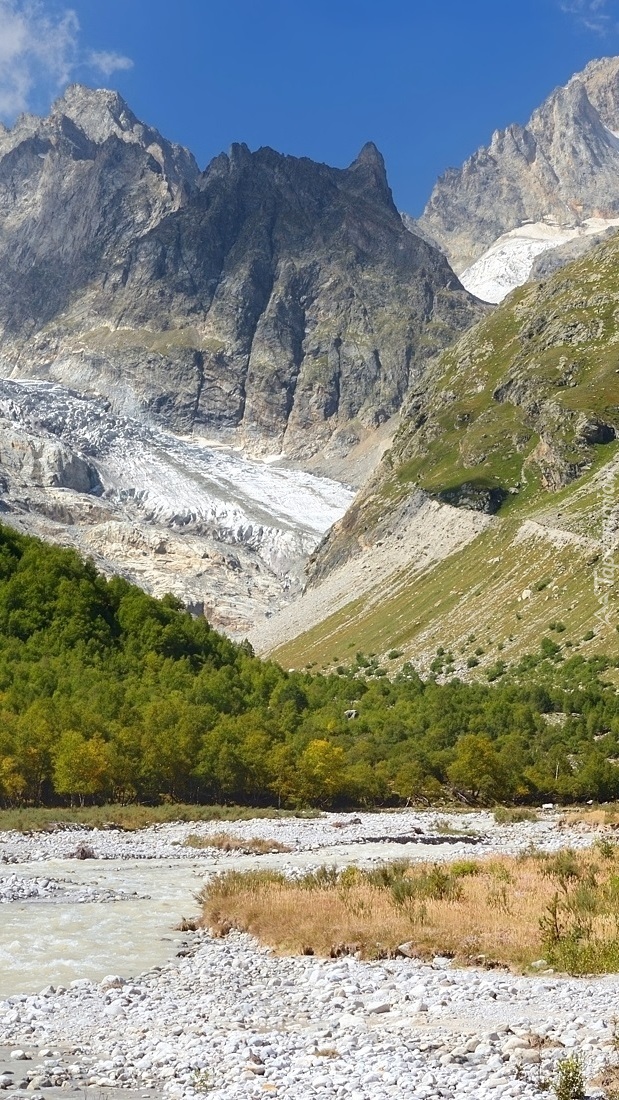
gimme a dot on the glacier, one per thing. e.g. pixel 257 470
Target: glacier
pixel 228 534
pixel 508 262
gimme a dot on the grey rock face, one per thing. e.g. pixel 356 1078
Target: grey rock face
pixel 274 301
pixel 562 166
pixel 45 462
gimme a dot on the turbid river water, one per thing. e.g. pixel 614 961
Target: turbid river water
pixel 51 942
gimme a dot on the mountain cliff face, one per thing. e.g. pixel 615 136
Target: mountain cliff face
pixel 276 302
pixel 558 172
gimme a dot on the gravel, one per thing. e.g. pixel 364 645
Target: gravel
pixel 457 834
pixel 232 1016
pixel 229 1019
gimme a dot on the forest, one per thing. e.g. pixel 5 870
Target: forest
pixel 110 695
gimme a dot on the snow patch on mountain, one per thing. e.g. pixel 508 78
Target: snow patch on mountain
pixel 508 262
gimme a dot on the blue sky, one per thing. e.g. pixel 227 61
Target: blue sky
pixel 427 80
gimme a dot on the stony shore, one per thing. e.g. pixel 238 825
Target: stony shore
pixel 447 835
pixel 228 1019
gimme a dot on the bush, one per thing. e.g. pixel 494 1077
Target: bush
pixel 569 1082
pixel 464 868
pixel 539 586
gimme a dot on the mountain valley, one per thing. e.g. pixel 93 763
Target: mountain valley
pixel 190 359
pixel 195 388
pixel 309 676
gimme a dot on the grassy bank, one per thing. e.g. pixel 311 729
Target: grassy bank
pixel 44 819
pixel 508 912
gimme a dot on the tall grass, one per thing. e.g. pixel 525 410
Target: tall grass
pixel 514 815
pixel 225 842
pixel 501 911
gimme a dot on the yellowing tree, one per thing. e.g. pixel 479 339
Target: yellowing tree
pixel 477 769
pixel 321 771
pixel 80 766
pixel 12 782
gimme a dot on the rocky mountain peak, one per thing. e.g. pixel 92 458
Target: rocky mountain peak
pixel 239 155
pixel 557 178
pixel 369 173
pixel 273 301
pixel 80 124
pixel 98 112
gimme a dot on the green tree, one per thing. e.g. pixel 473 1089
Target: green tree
pixel 477 770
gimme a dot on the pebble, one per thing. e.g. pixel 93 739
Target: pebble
pixel 167 841
pixel 233 1021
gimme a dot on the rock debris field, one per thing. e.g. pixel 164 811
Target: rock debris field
pixel 228 1019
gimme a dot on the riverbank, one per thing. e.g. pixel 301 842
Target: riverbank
pixel 231 1016
pixel 422 834
pixel 227 1018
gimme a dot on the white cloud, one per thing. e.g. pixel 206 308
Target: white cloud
pixel 40 53
pixel 37 52
pixel 592 15
pixel 108 62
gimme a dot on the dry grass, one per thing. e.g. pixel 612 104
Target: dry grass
pixel 584 815
pixel 488 911
pixel 608 1081
pixel 225 842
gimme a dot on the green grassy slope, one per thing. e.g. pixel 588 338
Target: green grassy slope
pixel 519 421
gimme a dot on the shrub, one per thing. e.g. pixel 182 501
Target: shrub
pixel 569 1082
pixel 498 669
pixel 464 868
pixel 539 586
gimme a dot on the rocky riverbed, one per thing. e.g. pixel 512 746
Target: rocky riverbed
pixel 415 834
pixel 227 1018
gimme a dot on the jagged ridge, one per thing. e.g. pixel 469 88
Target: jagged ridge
pixel 273 299
pixel 561 168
